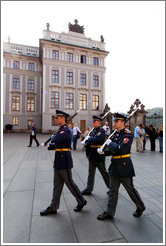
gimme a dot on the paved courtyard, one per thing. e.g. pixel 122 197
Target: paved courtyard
pixel 27 189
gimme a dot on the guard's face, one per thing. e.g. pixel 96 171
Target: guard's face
pixel 58 120
pixel 96 123
pixel 118 124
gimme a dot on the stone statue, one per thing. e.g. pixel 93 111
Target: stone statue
pixel 142 107
pixel 137 102
pixel 102 38
pixel 47 25
pixel 76 27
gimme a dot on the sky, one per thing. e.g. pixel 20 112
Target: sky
pixel 134 36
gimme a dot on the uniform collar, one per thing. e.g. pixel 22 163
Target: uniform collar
pixel 63 125
pixel 122 130
pixel 98 127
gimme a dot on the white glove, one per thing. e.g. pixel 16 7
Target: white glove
pixel 43 145
pixel 108 142
pixel 83 142
pixel 100 151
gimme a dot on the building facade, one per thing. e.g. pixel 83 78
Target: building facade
pixel 66 72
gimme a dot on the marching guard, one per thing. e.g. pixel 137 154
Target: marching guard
pixel 94 141
pixel 121 169
pixel 63 164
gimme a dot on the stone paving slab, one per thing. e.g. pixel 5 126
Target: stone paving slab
pixel 17 210
pixel 27 189
pixel 56 228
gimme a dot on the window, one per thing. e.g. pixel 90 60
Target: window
pixel 16 64
pixel 83 59
pixel 15 121
pixel 95 61
pixel 54 99
pixel 55 76
pixel 69 78
pixel 69 100
pixel 30 84
pixel 31 66
pixel 55 54
pixel 95 102
pixel 15 103
pixel 15 83
pixel 83 79
pixel 83 101
pixel 95 81
pixel 69 56
pixel 30 104
pixel 29 123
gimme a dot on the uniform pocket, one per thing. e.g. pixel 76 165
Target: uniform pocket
pixel 125 167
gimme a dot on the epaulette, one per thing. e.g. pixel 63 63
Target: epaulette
pixel 127 130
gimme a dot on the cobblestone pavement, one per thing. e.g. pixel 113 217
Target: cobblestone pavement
pixel 27 189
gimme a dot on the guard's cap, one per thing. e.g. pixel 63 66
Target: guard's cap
pixel 120 116
pixel 61 113
pixel 97 118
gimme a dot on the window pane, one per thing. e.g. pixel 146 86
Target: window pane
pixel 16 64
pixel 69 56
pixel 15 121
pixel 83 59
pixel 15 103
pixel 31 66
pixel 69 78
pixel 55 54
pixel 95 81
pixel 31 104
pixel 69 100
pixel 15 83
pixel 55 76
pixel 30 84
pixel 54 99
pixel 95 61
pixel 95 102
pixel 83 101
pixel 83 79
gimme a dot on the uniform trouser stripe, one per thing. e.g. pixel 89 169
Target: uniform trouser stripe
pixel 61 177
pixel 113 194
pixel 140 202
pixel 75 190
pixel 92 171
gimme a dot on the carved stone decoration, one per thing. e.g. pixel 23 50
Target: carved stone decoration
pixel 47 25
pixel 107 108
pixel 76 27
pixel 102 38
pixel 137 102
pixel 108 118
pixel 138 117
pixel 142 107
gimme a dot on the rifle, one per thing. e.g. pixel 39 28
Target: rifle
pixel 68 122
pixel 83 142
pixel 100 150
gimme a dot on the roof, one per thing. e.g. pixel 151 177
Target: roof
pixel 85 47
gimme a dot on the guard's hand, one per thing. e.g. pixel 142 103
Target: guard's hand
pixel 108 142
pixel 100 151
pixel 43 145
pixel 84 141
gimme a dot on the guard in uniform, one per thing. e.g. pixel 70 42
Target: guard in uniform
pixel 121 169
pixel 62 167
pixel 95 141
